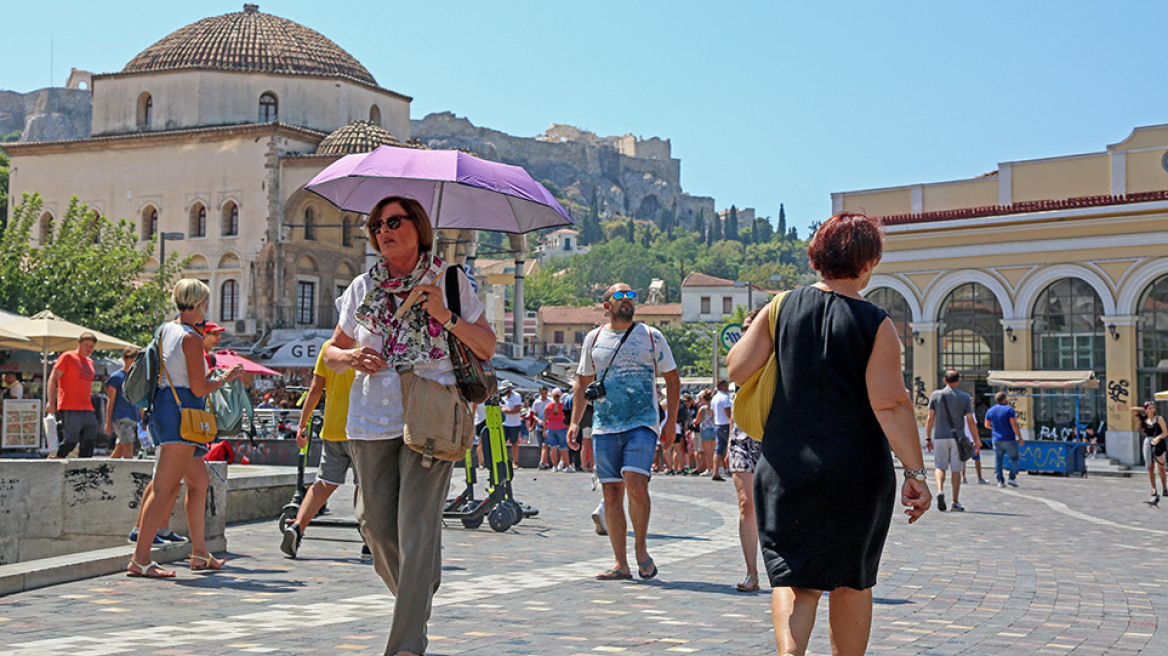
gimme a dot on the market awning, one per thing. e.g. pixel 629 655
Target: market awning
pixel 1162 396
pixel 1043 379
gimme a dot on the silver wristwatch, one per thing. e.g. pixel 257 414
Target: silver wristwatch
pixel 918 473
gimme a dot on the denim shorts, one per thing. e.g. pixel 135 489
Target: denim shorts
pixel 630 450
pixel 722 435
pixel 557 438
pixel 707 434
pixel 166 420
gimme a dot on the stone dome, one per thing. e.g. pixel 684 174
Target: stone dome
pixel 252 42
pixel 356 137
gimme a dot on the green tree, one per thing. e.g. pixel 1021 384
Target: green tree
pixel 793 234
pixel 590 230
pixel 3 191
pixel 762 231
pixel 91 271
pixel 552 286
pixel 690 344
pixel 700 223
pixel 631 231
pixel 782 222
pixel 730 229
pixel 812 229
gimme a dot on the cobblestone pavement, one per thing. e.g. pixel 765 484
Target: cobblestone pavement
pixel 1059 566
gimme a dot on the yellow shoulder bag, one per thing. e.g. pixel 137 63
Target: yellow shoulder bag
pixel 197 425
pixel 752 403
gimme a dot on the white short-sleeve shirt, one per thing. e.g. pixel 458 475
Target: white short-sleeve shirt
pixel 375 400
pixel 631 381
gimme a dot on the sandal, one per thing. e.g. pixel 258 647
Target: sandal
pixel 151 571
pixel 642 565
pixel 209 563
pixel 614 574
pixel 749 584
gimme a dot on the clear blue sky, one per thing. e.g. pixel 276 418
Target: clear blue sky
pixel 765 102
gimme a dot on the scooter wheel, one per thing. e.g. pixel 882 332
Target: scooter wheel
pixel 472 523
pixel 516 511
pixel 500 518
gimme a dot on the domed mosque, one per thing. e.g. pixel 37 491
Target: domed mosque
pixel 212 132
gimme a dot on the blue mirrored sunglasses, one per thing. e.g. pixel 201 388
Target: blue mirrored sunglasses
pixel 621 294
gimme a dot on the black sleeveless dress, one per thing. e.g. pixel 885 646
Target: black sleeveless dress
pixel 824 488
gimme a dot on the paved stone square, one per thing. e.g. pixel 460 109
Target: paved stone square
pixel 1059 566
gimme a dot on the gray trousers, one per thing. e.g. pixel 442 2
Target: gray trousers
pixel 399 510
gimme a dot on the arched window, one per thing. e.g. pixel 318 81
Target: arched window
pixel 230 220
pixel 269 107
pixel 46 228
pixel 309 224
pixel 149 222
pixel 971 341
pixel 346 237
pixel 375 115
pixel 1069 335
pixel 145 110
pixel 898 310
pixel 229 301
pixel 198 227
pixel 1152 342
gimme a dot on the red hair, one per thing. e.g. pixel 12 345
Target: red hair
pixel 844 244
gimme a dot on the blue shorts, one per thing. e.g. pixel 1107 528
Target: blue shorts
pixel 707 434
pixel 166 419
pixel 556 438
pixel 722 437
pixel 631 450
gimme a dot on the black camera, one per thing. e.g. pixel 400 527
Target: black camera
pixel 595 390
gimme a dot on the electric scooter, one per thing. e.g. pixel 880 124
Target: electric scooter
pixel 289 511
pixel 499 507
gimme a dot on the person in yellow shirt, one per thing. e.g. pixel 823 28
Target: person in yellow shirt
pixel 335 459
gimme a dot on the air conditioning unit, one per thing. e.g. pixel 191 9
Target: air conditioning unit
pixel 245 326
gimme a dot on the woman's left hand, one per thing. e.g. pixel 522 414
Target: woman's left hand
pixel 916 497
pixel 434 303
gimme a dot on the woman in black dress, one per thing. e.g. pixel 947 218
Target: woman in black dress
pixel 825 485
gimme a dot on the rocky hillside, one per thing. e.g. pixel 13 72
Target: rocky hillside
pixel 578 163
pixel 46 114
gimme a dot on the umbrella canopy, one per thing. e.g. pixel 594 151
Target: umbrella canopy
pixel 459 191
pixel 1162 396
pixel 48 333
pixel 1043 379
pixel 226 359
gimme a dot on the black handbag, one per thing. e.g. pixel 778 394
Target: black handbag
pixel 476 378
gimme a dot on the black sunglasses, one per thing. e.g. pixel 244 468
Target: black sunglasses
pixel 390 222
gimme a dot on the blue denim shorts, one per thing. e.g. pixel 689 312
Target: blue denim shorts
pixel 557 438
pixel 631 450
pixel 707 434
pixel 166 420
pixel 722 434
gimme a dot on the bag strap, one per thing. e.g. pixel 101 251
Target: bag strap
pixel 162 362
pixel 618 348
pixel 948 416
pixel 453 291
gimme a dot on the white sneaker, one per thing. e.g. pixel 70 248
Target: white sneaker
pixel 598 519
pixel 570 469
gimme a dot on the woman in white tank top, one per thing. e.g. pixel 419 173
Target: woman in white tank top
pixel 181 346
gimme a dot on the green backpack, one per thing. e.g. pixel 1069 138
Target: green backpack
pixel 229 403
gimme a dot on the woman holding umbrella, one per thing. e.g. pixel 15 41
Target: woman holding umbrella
pixel 393 318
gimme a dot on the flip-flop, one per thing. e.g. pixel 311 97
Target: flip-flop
pixel 614 574
pixel 641 565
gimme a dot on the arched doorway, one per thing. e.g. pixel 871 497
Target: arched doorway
pixel 1068 335
pixel 971 341
pixel 898 310
pixel 1152 341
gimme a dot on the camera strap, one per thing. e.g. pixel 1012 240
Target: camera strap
pixel 618 348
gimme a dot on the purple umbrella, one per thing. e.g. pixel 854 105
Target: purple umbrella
pixel 459 191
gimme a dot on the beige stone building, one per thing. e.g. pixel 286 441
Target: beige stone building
pixel 1047 264
pixel 212 132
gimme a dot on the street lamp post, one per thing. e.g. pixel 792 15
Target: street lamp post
pixel 162 237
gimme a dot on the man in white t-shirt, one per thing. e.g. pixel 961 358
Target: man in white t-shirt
pixel 537 407
pixel 625 357
pixel 511 403
pixel 13 389
pixel 720 405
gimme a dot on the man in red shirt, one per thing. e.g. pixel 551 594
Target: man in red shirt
pixel 68 398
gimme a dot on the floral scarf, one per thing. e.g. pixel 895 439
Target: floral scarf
pixel 413 339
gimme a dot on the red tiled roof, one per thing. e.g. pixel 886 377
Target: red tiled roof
pixel 695 279
pixel 1021 208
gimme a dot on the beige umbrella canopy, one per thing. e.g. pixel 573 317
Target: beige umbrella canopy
pixel 11 340
pixel 48 333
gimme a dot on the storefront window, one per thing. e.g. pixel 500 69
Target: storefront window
pixel 1069 335
pixel 971 341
